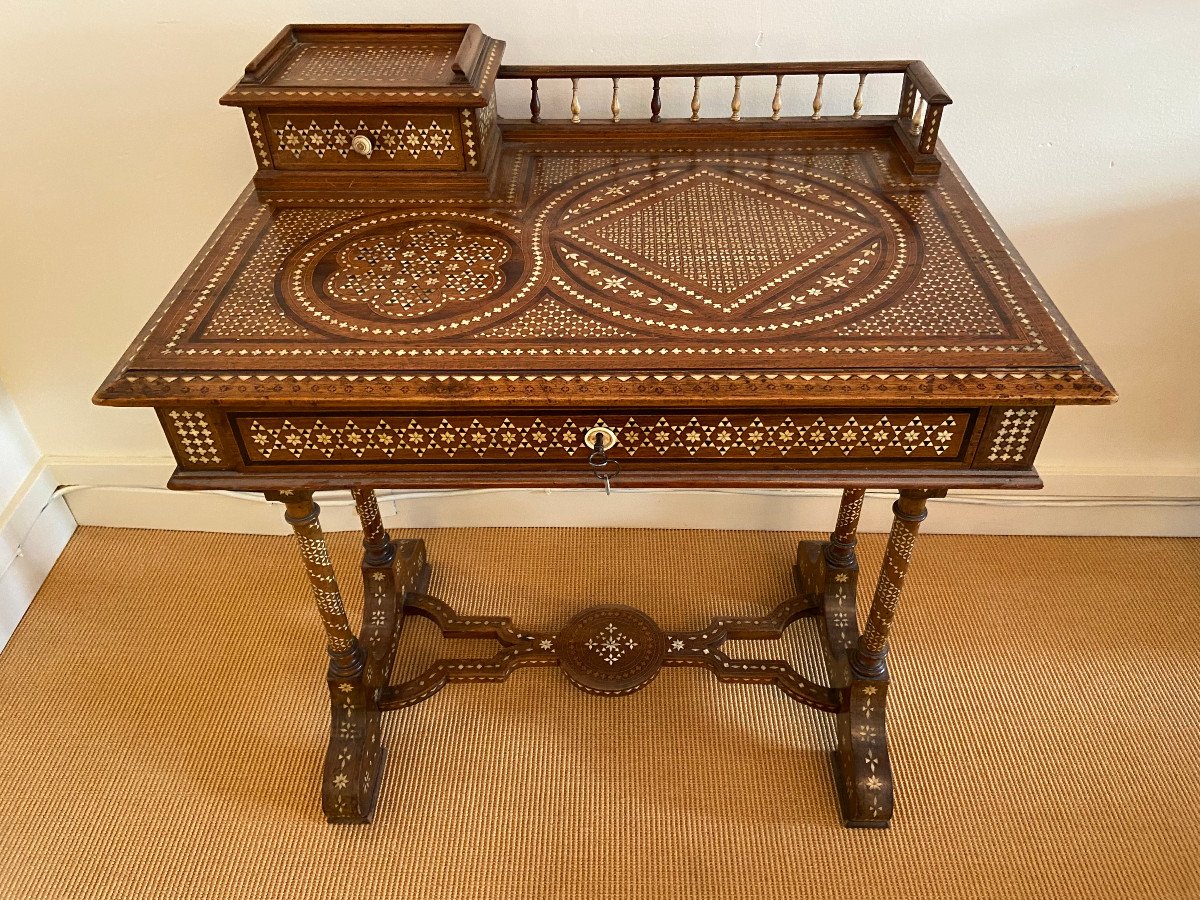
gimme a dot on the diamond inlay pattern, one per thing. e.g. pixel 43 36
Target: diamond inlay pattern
pixel 611 644
pixel 197 444
pixel 716 233
pixel 1012 439
pixel 366 64
pixel 552 318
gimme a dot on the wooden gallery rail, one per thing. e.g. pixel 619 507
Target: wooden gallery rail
pixel 916 122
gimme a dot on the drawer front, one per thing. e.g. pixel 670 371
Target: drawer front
pixel 399 140
pixel 821 436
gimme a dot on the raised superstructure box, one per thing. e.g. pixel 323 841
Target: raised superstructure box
pixel 354 111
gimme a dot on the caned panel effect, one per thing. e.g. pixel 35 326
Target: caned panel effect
pixel 366 64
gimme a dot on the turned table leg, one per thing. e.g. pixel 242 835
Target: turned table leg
pixel 908 514
pixel 378 549
pixel 346 655
pixel 354 759
pixel 861 759
pixel 856 663
pixel 839 552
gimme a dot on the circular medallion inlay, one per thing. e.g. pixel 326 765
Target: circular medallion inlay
pixel 417 270
pixel 611 649
pixel 397 273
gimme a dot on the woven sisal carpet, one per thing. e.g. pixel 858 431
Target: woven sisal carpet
pixel 164 719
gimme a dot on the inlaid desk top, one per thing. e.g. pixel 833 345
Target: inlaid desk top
pixel 621 274
pixel 765 274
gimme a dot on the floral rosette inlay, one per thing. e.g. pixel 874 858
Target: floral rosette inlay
pixel 417 271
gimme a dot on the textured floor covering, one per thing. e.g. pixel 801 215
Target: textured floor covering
pixel 164 718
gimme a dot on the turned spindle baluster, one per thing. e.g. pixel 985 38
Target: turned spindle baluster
pixel 535 105
pixel 777 100
pixel 616 103
pixel 696 100
pixel 656 101
pixel 345 653
pixel 817 96
pixel 915 127
pixel 839 552
pixel 574 101
pixel 908 514
pixel 858 98
pixel 735 105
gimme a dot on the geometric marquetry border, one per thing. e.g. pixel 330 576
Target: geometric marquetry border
pixel 195 436
pixel 1011 436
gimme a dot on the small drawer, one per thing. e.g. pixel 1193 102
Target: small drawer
pixel 396 140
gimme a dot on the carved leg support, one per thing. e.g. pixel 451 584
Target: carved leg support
pixel 856 663
pixel 357 669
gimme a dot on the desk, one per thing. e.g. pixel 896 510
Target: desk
pixel 415 294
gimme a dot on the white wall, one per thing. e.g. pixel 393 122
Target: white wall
pixel 1077 120
pixel 18 453
pixel 34 526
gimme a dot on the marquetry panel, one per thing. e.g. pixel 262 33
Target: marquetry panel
pixel 366 64
pixel 195 438
pixel 861 435
pixel 1011 436
pixel 404 139
pixel 752 277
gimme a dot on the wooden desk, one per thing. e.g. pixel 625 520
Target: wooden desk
pixel 414 294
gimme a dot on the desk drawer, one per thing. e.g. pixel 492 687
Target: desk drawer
pixel 269 449
pixel 832 436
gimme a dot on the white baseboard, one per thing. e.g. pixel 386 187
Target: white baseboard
pixel 34 528
pixel 130 493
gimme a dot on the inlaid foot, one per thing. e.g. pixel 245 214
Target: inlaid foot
pixel 860 763
pixel 862 771
pixel 355 758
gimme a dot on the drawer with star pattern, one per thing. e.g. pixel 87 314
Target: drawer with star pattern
pixel 395 139
pixel 559 444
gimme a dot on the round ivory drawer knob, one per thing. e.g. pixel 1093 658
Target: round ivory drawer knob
pixel 362 145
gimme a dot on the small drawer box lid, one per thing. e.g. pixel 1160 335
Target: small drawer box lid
pixel 333 65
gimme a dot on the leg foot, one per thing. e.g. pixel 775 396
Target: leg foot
pixel 354 760
pixel 860 762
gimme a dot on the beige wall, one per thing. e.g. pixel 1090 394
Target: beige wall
pixel 1078 122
